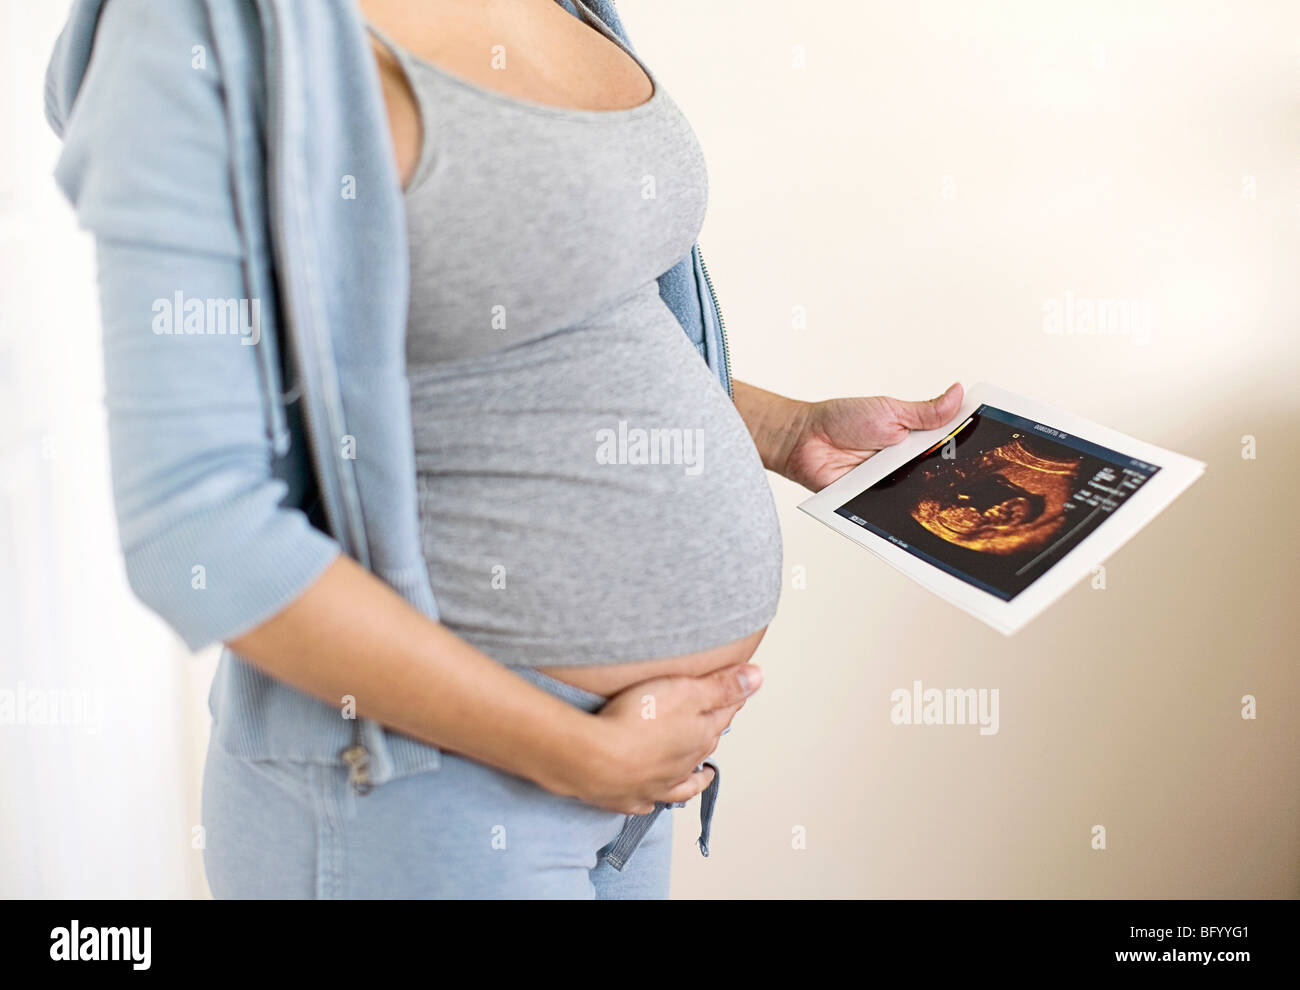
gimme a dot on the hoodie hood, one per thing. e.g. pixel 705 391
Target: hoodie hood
pixel 68 61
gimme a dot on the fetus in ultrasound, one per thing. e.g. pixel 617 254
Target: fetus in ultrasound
pixel 1007 500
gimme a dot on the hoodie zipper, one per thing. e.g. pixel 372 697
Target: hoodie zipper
pixel 274 140
pixel 722 323
pixel 355 756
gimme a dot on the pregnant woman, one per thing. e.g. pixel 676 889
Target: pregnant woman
pixel 419 401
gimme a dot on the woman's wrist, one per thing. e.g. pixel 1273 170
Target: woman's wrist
pixel 569 754
pixel 558 750
pixel 775 422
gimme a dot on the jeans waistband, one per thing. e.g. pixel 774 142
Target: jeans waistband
pixel 576 696
pixel 618 852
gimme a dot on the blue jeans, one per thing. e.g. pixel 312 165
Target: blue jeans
pixel 277 829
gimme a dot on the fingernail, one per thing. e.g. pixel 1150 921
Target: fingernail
pixel 750 679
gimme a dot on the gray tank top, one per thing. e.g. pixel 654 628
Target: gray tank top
pixel 588 492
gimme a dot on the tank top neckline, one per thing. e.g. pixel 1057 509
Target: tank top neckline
pixel 407 59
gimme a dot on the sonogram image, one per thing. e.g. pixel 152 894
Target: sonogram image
pixel 1005 501
pixel 998 501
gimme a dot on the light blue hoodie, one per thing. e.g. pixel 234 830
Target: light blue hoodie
pixel 238 150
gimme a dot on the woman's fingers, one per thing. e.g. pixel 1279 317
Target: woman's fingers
pixel 721 718
pixel 689 787
pixel 729 686
pixel 929 414
pixel 693 713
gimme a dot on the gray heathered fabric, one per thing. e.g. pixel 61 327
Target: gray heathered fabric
pixel 540 551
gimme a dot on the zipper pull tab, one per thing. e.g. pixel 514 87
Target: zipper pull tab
pixel 357 759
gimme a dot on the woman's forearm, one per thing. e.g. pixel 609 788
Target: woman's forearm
pixel 775 423
pixel 352 635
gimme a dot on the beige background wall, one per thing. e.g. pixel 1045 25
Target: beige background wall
pixel 929 178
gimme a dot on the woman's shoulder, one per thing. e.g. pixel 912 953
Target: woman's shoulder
pixel 138 39
pixel 135 89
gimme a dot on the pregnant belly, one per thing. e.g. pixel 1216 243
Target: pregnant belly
pixel 592 505
pixel 609 679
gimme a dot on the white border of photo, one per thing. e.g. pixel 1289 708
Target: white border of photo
pixel 1176 474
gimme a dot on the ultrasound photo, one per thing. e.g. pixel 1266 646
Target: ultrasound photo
pixel 998 501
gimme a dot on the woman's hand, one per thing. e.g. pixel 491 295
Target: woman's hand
pixel 814 443
pixel 650 738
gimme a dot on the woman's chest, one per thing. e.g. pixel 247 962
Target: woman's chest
pixel 519 227
pixel 528 50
